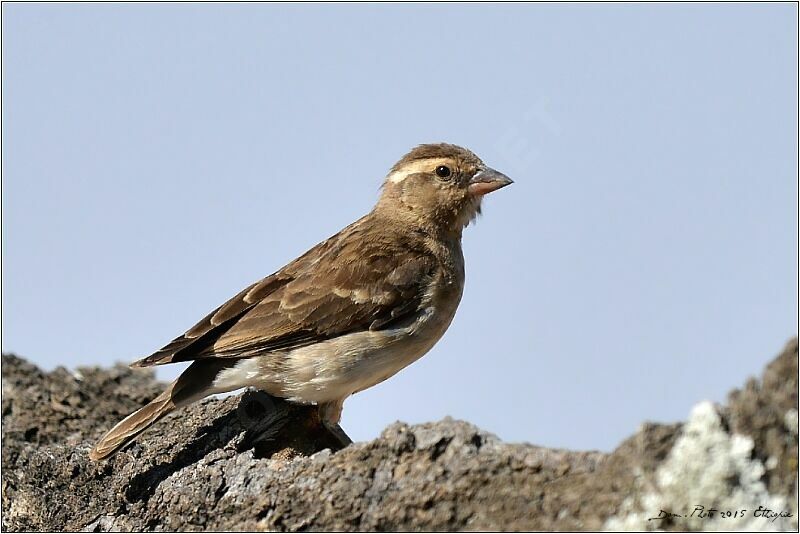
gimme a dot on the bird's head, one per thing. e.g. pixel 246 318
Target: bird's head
pixel 439 184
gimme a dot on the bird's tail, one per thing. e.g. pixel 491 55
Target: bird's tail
pixel 133 425
pixel 195 383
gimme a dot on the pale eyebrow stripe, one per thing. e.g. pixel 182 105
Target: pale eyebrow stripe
pixel 414 167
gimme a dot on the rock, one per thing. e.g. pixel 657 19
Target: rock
pixel 252 462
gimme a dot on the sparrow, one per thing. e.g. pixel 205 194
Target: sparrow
pixel 346 315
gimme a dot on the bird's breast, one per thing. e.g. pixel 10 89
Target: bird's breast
pixel 336 368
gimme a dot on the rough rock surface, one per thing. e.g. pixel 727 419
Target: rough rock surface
pixel 254 463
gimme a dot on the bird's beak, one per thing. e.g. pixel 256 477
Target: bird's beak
pixel 487 180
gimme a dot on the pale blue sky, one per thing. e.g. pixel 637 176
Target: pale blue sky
pixel 159 158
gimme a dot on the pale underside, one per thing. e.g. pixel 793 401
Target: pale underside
pixel 332 370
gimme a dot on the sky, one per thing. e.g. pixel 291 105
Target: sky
pixel 158 158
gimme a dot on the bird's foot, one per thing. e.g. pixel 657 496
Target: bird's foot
pixel 337 432
pixel 330 413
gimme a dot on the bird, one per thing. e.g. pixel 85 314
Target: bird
pixel 348 314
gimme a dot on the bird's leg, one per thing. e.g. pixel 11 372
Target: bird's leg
pixel 330 413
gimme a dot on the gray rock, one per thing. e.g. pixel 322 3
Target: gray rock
pixel 251 462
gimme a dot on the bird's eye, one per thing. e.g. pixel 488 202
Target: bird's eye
pixel 443 172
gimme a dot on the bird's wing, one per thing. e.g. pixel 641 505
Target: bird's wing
pixel 357 280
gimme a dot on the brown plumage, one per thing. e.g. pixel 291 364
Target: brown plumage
pixel 347 314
